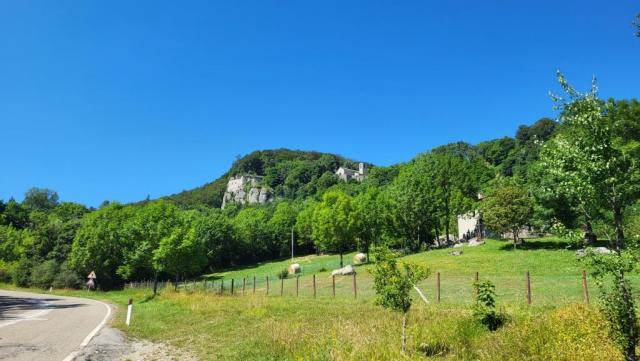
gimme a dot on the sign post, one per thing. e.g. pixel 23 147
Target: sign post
pixel 91 282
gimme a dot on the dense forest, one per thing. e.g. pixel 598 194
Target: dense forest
pixel 407 206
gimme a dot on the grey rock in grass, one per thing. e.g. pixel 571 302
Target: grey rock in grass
pixel 346 270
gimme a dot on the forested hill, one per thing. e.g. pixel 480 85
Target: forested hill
pixel 295 174
pixel 292 174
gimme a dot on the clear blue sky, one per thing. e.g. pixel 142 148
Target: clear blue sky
pixel 119 100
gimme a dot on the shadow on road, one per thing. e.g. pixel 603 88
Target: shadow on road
pixel 9 304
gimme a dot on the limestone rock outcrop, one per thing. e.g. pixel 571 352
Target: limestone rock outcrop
pixel 246 189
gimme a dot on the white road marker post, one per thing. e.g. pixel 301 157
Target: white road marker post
pixel 129 308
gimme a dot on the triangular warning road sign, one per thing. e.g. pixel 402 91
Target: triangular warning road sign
pixel 92 275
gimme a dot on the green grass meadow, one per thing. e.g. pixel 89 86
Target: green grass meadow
pixel 557 326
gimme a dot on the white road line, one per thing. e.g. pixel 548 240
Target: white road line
pixel 87 339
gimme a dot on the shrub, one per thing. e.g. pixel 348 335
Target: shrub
pixel 484 309
pixel 21 275
pixel 431 349
pixel 66 278
pixel 283 274
pixel 5 272
pixel 42 275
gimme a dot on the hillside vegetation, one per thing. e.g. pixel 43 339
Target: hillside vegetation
pixel 290 173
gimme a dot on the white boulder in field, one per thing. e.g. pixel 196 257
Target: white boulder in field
pixel 294 268
pixel 346 270
pixel 359 258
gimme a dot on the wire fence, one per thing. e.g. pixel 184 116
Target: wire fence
pixel 528 289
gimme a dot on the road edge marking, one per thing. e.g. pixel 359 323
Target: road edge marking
pixel 91 334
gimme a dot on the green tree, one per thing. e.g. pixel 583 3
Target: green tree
pixel 393 284
pixel 151 222
pixel 413 201
pixel 15 215
pixel 304 224
pixel 496 151
pixel 100 243
pixel 369 217
pixel 181 253
pixel 333 223
pixel 215 231
pixel 43 274
pixel 507 207
pixel 599 173
pixel 42 199
pixel 456 191
pixel 251 230
pixel 281 226
pixel 13 243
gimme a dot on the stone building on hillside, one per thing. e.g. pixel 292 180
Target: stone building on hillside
pixel 346 174
pixel 469 226
pixel 246 189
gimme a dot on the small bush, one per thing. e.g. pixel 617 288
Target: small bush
pixel 66 278
pixel 5 272
pixel 432 349
pixel 484 310
pixel 21 275
pixel 283 274
pixel 42 275
pixel 322 269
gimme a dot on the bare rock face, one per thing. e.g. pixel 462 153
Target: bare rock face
pixel 239 196
pixel 254 195
pixel 246 189
pixel 265 195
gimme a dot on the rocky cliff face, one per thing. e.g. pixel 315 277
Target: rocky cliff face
pixel 246 189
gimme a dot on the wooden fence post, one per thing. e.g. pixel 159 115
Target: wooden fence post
pixel 244 283
pixel 314 286
pixel 232 281
pixel 585 289
pixel 438 287
pixel 528 288
pixel 254 285
pixel 281 286
pixel 355 288
pixel 221 286
pixel 267 278
pixel 333 282
pixel 297 285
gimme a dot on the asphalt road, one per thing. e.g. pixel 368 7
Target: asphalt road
pixel 49 328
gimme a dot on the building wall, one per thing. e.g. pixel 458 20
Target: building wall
pixel 467 223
